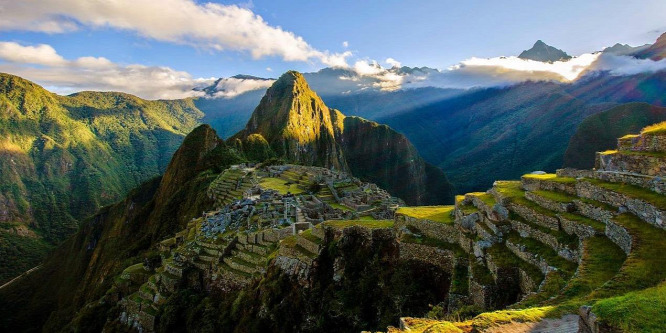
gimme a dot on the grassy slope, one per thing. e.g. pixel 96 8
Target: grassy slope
pixel 61 158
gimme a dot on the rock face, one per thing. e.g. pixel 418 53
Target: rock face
pixel 297 126
pixel 544 52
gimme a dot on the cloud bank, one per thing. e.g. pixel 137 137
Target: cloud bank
pixel 494 72
pixel 232 87
pixel 43 64
pixel 202 25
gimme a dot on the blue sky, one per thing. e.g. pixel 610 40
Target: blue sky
pixel 416 33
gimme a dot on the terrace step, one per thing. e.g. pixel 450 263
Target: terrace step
pixel 646 204
pixel 639 162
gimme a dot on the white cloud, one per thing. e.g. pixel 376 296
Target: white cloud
pixel 626 65
pixel 204 25
pixel 39 55
pixel 392 62
pixel 345 44
pixel 45 66
pixel 232 87
pixel 269 69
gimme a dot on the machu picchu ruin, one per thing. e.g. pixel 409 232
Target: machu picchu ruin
pixel 547 251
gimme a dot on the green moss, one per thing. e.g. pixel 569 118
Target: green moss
pixel 443 214
pixel 481 274
pixel 307 234
pixel 460 280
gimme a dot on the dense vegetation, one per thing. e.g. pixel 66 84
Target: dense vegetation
pixel 64 157
pixel 118 236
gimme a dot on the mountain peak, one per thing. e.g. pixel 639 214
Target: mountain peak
pixel 656 51
pixel 296 124
pixel 544 53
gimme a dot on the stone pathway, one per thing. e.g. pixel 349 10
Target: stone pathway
pixel 566 324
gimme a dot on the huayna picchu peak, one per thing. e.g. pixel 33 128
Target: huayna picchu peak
pixel 293 123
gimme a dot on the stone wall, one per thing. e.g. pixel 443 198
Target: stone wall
pixel 531 258
pixel 437 230
pixel 619 236
pixel 657 184
pixel 444 259
pixel 646 211
pixel 625 162
pixel 533 216
pixel 535 184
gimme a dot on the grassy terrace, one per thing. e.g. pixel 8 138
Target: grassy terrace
pixel 535 247
pixel 596 225
pixel 659 128
pixel 341 207
pixel 503 257
pixel 423 240
pixel 551 177
pixel 486 198
pixel 280 185
pixel 478 323
pixel 635 153
pixel 373 224
pixel 443 214
pixel 644 267
pixel 307 234
pixel 637 192
pixel 561 236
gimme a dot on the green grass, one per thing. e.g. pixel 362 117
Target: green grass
pixel 280 185
pixel 644 267
pixel 367 218
pixel 376 224
pixel 637 192
pixel 468 209
pixel 601 260
pixel 443 214
pixel 341 207
pixel 486 198
pixel 640 311
pixel 551 177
